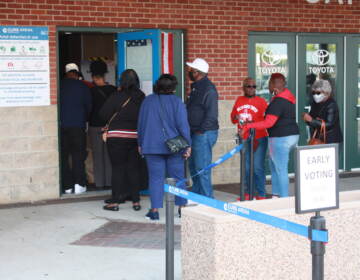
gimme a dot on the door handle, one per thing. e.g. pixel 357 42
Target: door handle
pixel 307 108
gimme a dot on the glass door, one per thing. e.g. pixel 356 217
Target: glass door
pixel 352 129
pixel 271 54
pixel 140 51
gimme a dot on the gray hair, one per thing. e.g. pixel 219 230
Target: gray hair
pixel 322 86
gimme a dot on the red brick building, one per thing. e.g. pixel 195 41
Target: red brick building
pixel 237 38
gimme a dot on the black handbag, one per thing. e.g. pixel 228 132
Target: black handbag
pixel 175 144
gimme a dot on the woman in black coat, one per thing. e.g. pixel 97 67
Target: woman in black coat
pixel 324 108
pixel 123 109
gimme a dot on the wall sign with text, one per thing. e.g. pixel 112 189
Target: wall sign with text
pixel 317 178
pixel 24 66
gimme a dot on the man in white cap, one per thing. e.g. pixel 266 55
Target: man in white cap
pixel 202 107
pixel 75 107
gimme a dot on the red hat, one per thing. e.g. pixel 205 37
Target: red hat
pixel 277 76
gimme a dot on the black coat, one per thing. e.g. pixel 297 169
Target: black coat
pixel 329 112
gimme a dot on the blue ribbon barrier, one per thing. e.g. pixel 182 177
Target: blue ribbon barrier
pixel 316 235
pixel 213 164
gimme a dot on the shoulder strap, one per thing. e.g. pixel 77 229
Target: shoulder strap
pixel 117 112
pixel 101 92
pixel 162 117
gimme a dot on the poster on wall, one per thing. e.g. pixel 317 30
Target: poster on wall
pixel 24 66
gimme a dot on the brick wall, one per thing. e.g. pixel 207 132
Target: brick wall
pixel 215 30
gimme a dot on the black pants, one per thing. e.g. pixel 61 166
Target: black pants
pixel 73 147
pixel 125 163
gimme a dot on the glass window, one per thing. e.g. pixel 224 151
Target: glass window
pixel 320 64
pixel 270 58
pixel 139 57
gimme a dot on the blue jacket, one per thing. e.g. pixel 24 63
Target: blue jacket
pixel 202 106
pixel 75 103
pixel 153 118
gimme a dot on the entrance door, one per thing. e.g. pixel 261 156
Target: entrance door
pixel 140 51
pixel 320 57
pixel 352 129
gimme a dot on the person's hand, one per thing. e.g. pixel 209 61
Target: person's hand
pixel 187 153
pixel 307 117
pixel 139 150
pixel 241 132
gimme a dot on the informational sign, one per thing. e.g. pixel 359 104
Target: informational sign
pixel 24 66
pixel 317 178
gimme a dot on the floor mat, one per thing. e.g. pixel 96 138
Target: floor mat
pixel 119 233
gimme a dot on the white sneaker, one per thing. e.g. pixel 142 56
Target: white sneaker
pixel 79 189
pixel 68 191
pixel 190 202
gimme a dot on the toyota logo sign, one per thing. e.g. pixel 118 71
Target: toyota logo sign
pixel 321 57
pixel 270 59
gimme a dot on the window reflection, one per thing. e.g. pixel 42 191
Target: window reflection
pixel 320 64
pixel 270 58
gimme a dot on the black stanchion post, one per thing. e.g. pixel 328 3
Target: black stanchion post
pixel 251 179
pixel 170 201
pixel 317 248
pixel 242 169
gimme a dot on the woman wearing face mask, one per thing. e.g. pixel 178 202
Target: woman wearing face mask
pixel 324 108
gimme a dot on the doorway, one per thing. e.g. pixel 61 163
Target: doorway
pixel 149 52
pixel 303 58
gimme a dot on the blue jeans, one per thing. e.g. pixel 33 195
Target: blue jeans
pixel 259 166
pixel 159 166
pixel 279 150
pixel 201 156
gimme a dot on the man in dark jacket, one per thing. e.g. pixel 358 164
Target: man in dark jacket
pixel 75 106
pixel 202 107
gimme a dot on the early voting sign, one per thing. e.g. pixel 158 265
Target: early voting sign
pixel 24 66
pixel 317 178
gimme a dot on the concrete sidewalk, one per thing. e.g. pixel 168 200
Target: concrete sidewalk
pixel 37 242
pixel 81 241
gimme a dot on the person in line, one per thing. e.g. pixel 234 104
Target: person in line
pixel 202 107
pixel 99 93
pixel 247 109
pixel 121 111
pixel 75 107
pixel 324 108
pixel 162 117
pixel 280 121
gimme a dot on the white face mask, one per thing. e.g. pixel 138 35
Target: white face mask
pixel 319 97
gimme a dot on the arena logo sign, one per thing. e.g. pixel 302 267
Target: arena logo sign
pixel 271 62
pixel 328 1
pixel 321 58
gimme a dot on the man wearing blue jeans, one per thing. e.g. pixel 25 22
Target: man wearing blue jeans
pixel 202 107
pixel 247 109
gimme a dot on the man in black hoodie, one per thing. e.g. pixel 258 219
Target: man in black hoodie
pixel 75 106
pixel 202 107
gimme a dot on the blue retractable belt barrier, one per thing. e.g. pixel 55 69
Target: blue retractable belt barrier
pixel 316 235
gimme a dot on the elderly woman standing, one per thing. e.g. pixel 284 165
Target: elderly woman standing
pixel 163 116
pixel 324 108
pixel 121 110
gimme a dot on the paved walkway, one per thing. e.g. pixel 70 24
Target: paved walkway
pixel 81 241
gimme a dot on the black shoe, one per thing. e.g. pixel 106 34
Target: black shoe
pixel 110 201
pixel 137 207
pixel 111 208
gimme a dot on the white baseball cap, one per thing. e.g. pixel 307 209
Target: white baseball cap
pixel 71 67
pixel 199 64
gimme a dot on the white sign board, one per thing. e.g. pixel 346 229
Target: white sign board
pixel 24 66
pixel 316 185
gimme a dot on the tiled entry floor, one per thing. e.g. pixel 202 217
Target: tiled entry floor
pixel 121 233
